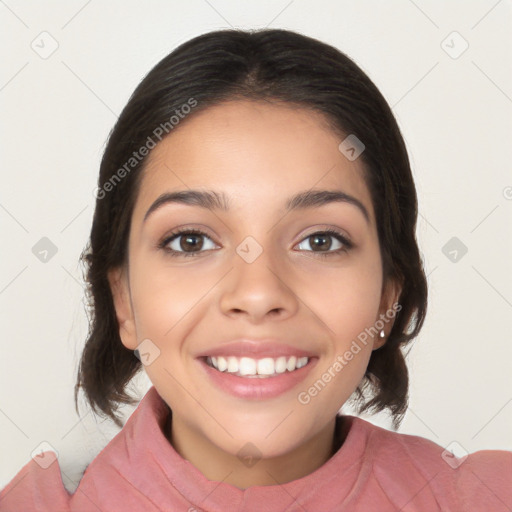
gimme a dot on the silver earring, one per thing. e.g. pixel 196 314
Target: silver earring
pixel 382 334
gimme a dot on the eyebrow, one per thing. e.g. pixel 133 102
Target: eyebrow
pixel 212 200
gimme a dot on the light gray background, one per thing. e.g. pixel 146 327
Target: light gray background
pixel 455 112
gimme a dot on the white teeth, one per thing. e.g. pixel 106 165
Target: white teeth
pixel 247 366
pixel 222 364
pixel 291 364
pixel 266 366
pixel 303 361
pixel 280 364
pixel 232 364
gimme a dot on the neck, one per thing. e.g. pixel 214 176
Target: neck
pixel 217 465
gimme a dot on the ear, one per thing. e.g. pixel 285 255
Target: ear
pixel 387 310
pixel 120 289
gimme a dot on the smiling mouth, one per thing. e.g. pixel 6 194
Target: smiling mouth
pixel 248 367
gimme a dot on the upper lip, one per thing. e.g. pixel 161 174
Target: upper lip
pixel 256 349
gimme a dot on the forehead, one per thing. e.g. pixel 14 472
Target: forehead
pixel 256 152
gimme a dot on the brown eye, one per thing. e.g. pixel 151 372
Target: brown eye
pixel 189 242
pixel 321 241
pixel 326 243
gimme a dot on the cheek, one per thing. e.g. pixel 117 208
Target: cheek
pixel 163 297
pixel 170 304
pixel 346 299
pixel 347 302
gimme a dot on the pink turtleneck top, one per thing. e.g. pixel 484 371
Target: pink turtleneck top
pixel 374 470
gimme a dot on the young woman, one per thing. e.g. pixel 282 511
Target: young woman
pixel 253 250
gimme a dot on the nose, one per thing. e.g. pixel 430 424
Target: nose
pixel 258 290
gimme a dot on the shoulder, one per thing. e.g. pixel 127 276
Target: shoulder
pixel 37 486
pixel 410 465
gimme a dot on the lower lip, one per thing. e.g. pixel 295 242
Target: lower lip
pixel 257 388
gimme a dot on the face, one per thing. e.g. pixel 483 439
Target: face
pixel 255 271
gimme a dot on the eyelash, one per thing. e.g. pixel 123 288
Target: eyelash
pixel 348 245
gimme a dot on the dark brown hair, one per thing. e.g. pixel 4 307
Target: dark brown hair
pixel 271 65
